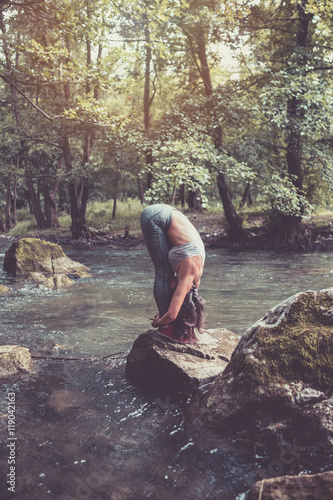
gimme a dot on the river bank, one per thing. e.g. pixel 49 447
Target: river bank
pixel 317 234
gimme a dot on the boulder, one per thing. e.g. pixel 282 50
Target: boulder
pixel 54 281
pixel 279 381
pixel 39 259
pixel 3 289
pixel 305 487
pixel 14 359
pixel 159 366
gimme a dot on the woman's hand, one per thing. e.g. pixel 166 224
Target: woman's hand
pixel 155 320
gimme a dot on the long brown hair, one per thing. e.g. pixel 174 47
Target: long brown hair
pixel 190 317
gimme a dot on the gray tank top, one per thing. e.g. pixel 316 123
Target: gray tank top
pixel 181 252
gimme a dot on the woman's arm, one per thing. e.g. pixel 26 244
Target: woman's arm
pixel 183 287
pixel 188 272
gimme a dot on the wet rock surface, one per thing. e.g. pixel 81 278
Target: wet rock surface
pixel 85 432
pixel 160 366
pixel 277 388
pixel 43 263
pixel 305 487
pixel 4 290
pixel 14 359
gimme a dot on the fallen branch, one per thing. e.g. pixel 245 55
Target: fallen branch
pixel 67 358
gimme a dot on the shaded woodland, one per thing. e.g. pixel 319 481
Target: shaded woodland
pixel 166 101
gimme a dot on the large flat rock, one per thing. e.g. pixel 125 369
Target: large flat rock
pixel 162 367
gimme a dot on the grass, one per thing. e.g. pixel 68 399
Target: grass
pixel 99 217
pixel 99 214
pixel 23 227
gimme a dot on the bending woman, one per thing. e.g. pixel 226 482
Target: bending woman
pixel 178 255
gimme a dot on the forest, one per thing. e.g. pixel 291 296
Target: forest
pixel 173 101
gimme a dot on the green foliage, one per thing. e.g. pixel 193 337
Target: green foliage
pixel 176 163
pixel 285 198
pixel 23 227
pixel 79 71
pixel 99 214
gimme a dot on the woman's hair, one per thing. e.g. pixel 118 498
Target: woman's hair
pixel 190 317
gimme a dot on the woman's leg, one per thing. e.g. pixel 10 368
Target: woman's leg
pixel 155 221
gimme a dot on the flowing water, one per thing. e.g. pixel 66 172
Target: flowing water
pixel 82 431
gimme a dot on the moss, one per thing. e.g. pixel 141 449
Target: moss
pixel 299 348
pixel 31 255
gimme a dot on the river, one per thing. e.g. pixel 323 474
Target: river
pixel 83 431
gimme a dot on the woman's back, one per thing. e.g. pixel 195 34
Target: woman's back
pixel 181 230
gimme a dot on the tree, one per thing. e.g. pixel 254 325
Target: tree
pixel 290 110
pixel 59 82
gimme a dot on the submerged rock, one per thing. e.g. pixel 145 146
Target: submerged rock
pixel 160 366
pixel 14 359
pixel 42 262
pixel 3 289
pixel 312 486
pixel 54 281
pixel 280 377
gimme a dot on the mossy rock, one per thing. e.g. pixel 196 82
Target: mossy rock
pixel 296 346
pixel 283 361
pixel 32 255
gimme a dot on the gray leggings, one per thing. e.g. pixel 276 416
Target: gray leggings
pixel 155 221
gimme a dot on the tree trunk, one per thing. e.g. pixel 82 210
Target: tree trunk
pixel 235 222
pixel 194 201
pixel 14 198
pixel 204 68
pixel 79 194
pixel 115 199
pixel 173 196
pixel 47 206
pixel 2 226
pixel 183 195
pixel 53 193
pixel 140 189
pixel 146 92
pixel 8 217
pixel 236 232
pixel 34 200
pixel 149 161
pixel 292 224
pixel 78 197
pixel 45 189
pixel 147 97
pixel 246 195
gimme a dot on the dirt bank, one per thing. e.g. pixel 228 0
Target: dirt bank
pixel 317 234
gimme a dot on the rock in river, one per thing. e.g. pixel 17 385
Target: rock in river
pixel 3 289
pixel 280 376
pixel 14 359
pixel 305 487
pixel 160 366
pixel 34 257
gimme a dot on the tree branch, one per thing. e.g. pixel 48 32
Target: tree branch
pixel 7 80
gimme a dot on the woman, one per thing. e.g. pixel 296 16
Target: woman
pixel 178 254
